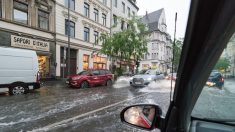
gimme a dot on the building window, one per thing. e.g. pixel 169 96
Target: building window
pixel 122 24
pixel 72 4
pixel 99 62
pixel 96 14
pixel 129 11
pixel 114 19
pixel 20 12
pixel 127 25
pixel 133 13
pixel 115 3
pixel 43 19
pixel 104 19
pixel 155 55
pixel 86 34
pixel 0 8
pixel 96 35
pixel 86 62
pixel 123 8
pixel 87 10
pixel 146 56
pixel 72 28
pixel 105 2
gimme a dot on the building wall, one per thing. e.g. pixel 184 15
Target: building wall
pixel 159 48
pixel 118 12
pixel 77 16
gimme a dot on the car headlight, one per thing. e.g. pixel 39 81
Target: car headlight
pixel 76 78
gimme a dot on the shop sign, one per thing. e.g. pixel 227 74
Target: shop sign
pixel 145 66
pixel 27 43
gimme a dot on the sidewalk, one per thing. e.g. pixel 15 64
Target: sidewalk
pixel 229 85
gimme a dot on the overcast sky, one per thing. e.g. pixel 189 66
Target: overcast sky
pixel 170 6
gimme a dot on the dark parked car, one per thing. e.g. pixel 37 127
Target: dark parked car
pixel 215 80
pixel 90 78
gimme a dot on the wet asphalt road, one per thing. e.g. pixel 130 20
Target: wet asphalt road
pixel 57 108
pixel 45 109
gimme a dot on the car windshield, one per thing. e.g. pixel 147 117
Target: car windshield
pixel 217 99
pixel 73 65
pixel 213 74
pixel 151 72
pixel 83 73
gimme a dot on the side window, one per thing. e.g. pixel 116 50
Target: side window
pixel 107 72
pixel 96 72
pixel 102 72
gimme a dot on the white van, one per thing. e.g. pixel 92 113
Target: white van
pixel 18 70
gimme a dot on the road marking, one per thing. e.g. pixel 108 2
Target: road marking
pixel 54 125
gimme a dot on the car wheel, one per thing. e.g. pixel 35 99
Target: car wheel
pixel 109 83
pixel 18 89
pixel 84 84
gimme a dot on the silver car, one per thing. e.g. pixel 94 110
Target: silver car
pixel 144 79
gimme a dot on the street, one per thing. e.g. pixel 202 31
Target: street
pixel 54 107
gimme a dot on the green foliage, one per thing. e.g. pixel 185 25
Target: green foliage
pixel 223 63
pixel 129 44
pixel 177 52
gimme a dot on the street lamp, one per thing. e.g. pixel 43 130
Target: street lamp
pixel 68 60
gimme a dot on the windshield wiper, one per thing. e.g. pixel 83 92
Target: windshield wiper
pixel 219 120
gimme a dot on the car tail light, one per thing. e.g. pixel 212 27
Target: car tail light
pixel 221 79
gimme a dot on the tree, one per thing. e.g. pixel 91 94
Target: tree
pixel 127 45
pixel 177 52
pixel 222 64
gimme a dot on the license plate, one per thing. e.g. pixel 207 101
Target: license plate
pixel 67 82
pixel 137 82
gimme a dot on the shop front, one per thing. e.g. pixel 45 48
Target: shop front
pixel 86 62
pixel 99 62
pixel 43 50
pixel 64 61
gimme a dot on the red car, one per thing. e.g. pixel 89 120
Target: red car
pixel 90 78
pixel 170 77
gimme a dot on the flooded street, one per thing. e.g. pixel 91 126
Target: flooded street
pixel 55 107
pixel 55 103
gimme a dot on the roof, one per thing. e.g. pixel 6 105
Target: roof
pixel 134 4
pixel 152 19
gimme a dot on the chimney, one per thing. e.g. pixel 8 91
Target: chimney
pixel 147 16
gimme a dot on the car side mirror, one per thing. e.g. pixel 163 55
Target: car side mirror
pixel 144 116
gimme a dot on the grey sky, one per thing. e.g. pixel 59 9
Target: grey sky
pixel 170 6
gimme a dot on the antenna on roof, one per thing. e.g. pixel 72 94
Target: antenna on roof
pixel 172 66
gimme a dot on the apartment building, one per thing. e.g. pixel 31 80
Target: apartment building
pixel 159 42
pixel 88 19
pixel 121 12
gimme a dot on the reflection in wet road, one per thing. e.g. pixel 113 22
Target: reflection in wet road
pixel 55 103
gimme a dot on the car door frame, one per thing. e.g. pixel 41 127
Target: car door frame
pixel 95 78
pixel 210 26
